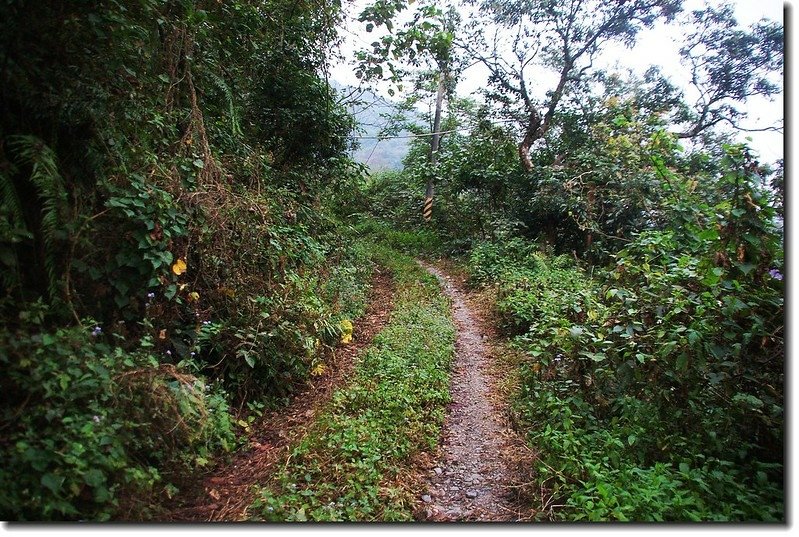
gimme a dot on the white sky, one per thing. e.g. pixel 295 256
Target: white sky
pixel 656 46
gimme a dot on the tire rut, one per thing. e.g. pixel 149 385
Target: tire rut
pixel 472 476
pixel 225 494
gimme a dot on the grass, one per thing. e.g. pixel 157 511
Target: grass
pixel 348 466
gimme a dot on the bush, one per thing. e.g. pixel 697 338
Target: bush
pixel 494 261
pixel 661 370
pixel 392 196
pixel 411 242
pixel 89 424
pixel 655 390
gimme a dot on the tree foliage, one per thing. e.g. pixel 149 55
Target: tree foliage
pixel 531 39
pixel 422 42
pixel 728 66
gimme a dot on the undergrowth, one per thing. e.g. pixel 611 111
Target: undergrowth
pixel 654 389
pixel 348 466
pixel 416 242
pixel 108 428
pixel 98 420
pixel 169 260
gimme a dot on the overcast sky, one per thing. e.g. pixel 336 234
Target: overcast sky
pixel 654 47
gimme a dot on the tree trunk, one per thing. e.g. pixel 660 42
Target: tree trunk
pixel 531 134
pixel 524 152
pixel 434 144
pixel 436 139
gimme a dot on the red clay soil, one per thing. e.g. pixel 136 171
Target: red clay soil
pixel 227 492
pixel 482 464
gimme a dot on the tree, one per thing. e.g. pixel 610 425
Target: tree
pixel 425 41
pixel 531 38
pixel 729 65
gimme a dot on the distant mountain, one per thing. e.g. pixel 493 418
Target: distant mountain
pixel 372 113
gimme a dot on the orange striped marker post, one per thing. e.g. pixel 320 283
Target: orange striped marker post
pixel 428 209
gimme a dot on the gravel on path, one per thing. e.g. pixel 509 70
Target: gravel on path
pixel 471 478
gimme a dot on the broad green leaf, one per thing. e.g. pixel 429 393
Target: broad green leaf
pixel 94 477
pixel 52 482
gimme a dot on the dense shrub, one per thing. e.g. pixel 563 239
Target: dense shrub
pixel 505 260
pixel 655 389
pixel 394 197
pixel 98 427
pixel 412 241
pixel 158 174
pixel 91 420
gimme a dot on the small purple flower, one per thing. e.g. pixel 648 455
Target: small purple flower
pixel 150 295
pixel 776 274
pixel 169 353
pixel 96 419
pixel 97 331
pixel 206 323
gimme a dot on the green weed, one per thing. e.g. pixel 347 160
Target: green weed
pixel 393 408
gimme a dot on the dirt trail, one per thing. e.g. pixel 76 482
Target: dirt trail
pixel 471 478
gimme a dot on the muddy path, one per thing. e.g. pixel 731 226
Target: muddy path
pixel 225 493
pixel 475 476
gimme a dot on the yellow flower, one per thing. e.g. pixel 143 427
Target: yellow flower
pixel 318 370
pixel 243 424
pixel 179 267
pixel 346 330
pixel 194 296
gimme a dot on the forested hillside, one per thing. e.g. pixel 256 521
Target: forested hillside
pixel 376 118
pixel 186 245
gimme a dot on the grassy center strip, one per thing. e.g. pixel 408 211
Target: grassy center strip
pixel 393 408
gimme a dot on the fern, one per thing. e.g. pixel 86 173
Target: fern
pixel 33 152
pixel 12 225
pixel 235 128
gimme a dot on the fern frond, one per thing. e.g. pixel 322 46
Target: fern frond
pixel 220 83
pixel 32 151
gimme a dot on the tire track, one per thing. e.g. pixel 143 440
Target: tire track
pixel 471 477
